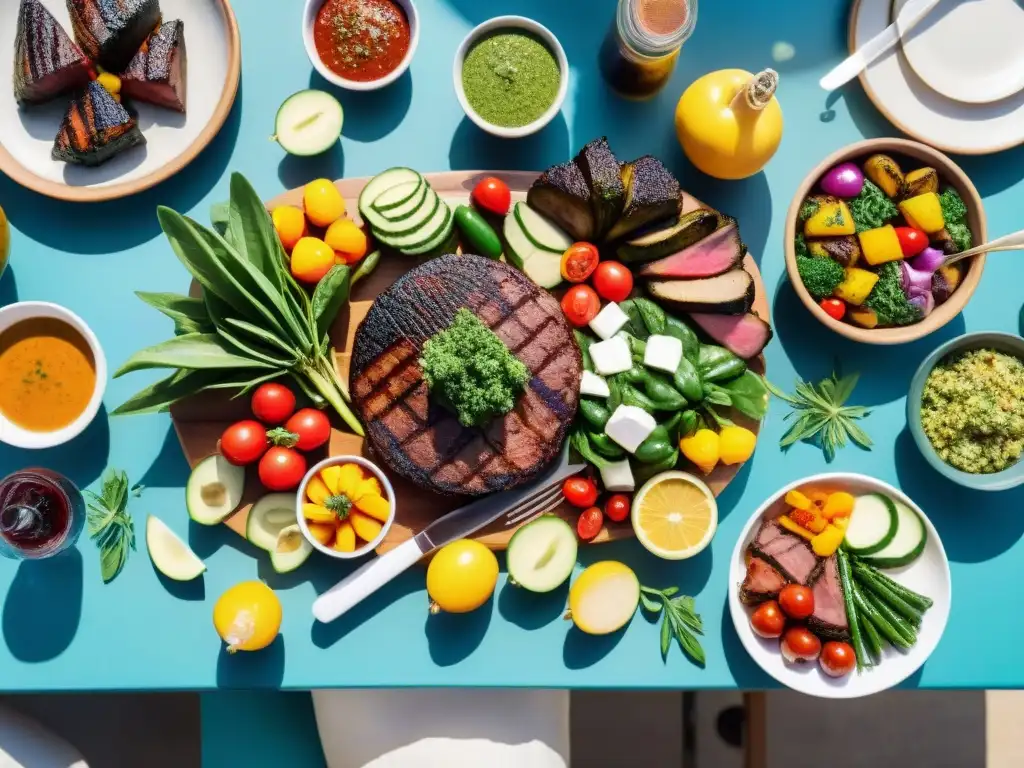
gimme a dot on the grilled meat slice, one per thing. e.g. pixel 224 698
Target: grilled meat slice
pixel 731 293
pixel 744 335
pixel 95 128
pixel 112 31
pixel 601 172
pixel 790 553
pixel 47 62
pixel 762 582
pixel 416 436
pixel 691 227
pixel 713 255
pixel 158 73
pixel 561 193
pixel 829 618
pixel 652 194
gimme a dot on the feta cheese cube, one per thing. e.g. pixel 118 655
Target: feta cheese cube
pixel 611 356
pixel 629 426
pixel 609 321
pixel 617 476
pixel 663 353
pixel 594 385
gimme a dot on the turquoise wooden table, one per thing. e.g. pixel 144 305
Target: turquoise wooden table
pixel 63 629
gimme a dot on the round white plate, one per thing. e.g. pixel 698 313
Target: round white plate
pixel 928 575
pixel 172 139
pixel 969 51
pixel 920 111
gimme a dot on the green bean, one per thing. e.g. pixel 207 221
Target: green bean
pixel 921 602
pixel 867 579
pixel 615 393
pixel 846 584
pixel 901 625
pixel 594 412
pixel 872 639
pixel 663 393
pixel 605 445
pixel 891 633
pixel 633 396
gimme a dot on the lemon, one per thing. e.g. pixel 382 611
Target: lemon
pixel 323 202
pixel 674 515
pixel 290 223
pixel 247 616
pixel 603 598
pixel 461 577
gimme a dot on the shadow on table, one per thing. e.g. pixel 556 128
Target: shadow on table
pixel 369 115
pixel 81 460
pixel 193 590
pixel 451 637
pixel 263 669
pixel 43 607
pixel 295 171
pixel 690 575
pixel 529 610
pixel 8 287
pixel 472 148
pixel 169 469
pixel 580 650
pixel 326 635
pixel 746 673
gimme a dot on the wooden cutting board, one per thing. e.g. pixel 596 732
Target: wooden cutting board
pixel 200 421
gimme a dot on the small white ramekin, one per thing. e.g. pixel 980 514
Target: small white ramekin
pixel 308 20
pixel 19 437
pixel 547 37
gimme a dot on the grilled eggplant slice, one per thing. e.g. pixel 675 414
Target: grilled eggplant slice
pixel 652 193
pixel 731 293
pixel 111 33
pixel 47 62
pixel 607 193
pixel 158 73
pixel 561 193
pixel 690 228
pixel 95 128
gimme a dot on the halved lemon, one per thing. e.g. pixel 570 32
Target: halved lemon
pixel 674 515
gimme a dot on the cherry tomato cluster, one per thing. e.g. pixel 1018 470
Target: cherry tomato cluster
pixel 278 450
pixel 582 492
pixel 611 280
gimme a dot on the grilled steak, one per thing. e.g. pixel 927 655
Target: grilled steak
pixel 745 335
pixel 95 128
pixel 416 436
pixel 112 31
pixel 730 293
pixel 790 553
pixel 762 582
pixel 829 617
pixel 157 73
pixel 46 61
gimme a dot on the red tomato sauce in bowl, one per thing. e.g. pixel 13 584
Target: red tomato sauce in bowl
pixel 361 40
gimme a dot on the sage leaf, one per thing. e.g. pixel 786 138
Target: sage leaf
pixel 691 646
pixel 650 605
pixel 164 393
pixel 666 636
pixel 366 267
pixel 329 297
pixel 257 350
pixel 261 335
pixel 252 231
pixel 192 351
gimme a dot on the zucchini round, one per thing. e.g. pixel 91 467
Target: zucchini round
pixel 908 543
pixel 873 525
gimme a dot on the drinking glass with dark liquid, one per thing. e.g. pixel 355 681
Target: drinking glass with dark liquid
pixel 42 513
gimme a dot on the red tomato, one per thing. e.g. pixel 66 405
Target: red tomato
pixel 243 442
pixel 834 308
pixel 767 620
pixel 579 262
pixel 613 281
pixel 312 426
pixel 282 469
pixel 492 195
pixel 912 240
pixel 797 601
pixel 799 644
pixel 617 507
pixel 273 403
pixel 589 524
pixel 580 305
pixel 837 659
pixel 580 491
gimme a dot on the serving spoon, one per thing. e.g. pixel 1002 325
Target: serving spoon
pixel 1011 242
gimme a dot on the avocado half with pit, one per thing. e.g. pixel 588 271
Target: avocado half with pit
pixel 272 525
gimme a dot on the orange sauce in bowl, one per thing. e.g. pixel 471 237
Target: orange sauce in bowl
pixel 47 374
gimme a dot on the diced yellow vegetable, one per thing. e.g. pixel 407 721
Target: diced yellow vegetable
pixel 375 505
pixel 792 527
pixel 856 286
pixel 317 514
pixel 317 490
pixel 880 245
pixel 368 487
pixel 920 181
pixel 810 519
pixel 923 212
pixel 831 219
pixel 323 532
pixel 797 500
pixel 330 477
pixel 345 538
pixel 366 528
pixel 349 477
pixel 827 542
pixel 839 504
pixel 841 522
pixel 886 173
pixel 844 250
pixel 862 316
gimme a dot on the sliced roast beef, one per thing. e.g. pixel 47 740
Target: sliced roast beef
pixel 763 582
pixel 715 254
pixel 790 553
pixel 744 335
pixel 730 293
pixel 829 617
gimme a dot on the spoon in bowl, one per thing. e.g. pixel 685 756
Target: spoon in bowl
pixel 1011 242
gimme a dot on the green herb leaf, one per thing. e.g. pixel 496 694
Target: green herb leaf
pixel 649 605
pixel 823 414
pixel 749 394
pixel 192 351
pixel 330 296
pixel 110 525
pixel 366 267
pixel 666 636
pixel 252 231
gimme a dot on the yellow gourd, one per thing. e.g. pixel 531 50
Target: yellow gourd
pixel 862 316
pixel 729 122
pixel 832 218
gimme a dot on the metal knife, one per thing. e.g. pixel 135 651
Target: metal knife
pixel 457 524
pixel 861 59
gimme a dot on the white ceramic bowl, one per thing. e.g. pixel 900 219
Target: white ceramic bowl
pixel 928 575
pixel 19 437
pixel 512 22
pixel 300 499
pixel 309 18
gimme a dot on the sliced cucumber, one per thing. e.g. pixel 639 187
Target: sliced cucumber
pixel 268 517
pixel 541 554
pixel 170 555
pixel 873 524
pixel 544 268
pixel 447 241
pixel 424 234
pixel 308 123
pixel 541 265
pixel 379 184
pixel 409 206
pixel 291 551
pixel 397 195
pixel 410 225
pixel 214 490
pixel 517 246
pixel 540 230
pixel 908 543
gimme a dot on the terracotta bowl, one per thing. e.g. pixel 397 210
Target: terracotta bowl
pixel 949 173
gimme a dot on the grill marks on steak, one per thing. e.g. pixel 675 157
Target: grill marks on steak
pixel 762 582
pixel 419 438
pixel 790 553
pixel 829 618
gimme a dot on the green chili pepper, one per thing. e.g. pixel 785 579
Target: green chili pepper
pixel 594 412
pixel 605 445
pixel 615 393
pixel 634 375
pixel 673 423
pixel 688 424
pixel 584 344
pixel 687 380
pixel 718 363
pixel 680 330
pixel 644 472
pixel 633 396
pixel 663 393
pixel 656 447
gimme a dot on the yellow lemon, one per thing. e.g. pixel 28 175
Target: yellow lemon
pixel 461 577
pixel 603 598
pixel 348 241
pixel 247 616
pixel 323 202
pixel 674 515
pixel 290 223
pixel 736 444
pixel 312 258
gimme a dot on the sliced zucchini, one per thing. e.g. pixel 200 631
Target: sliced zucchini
pixel 873 524
pixel 908 543
pixel 426 233
pixel 308 123
pixel 410 205
pixel 446 242
pixel 380 183
pixel 540 230
pixel 410 225
pixel 517 246
pixel 268 517
pixel 214 490
pixel 541 265
pixel 541 554
pixel 397 195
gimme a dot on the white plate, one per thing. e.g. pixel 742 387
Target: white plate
pixel 928 575
pixel 173 139
pixel 969 51
pixel 921 112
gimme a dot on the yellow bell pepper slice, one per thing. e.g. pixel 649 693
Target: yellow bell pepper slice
pixel 330 476
pixel 839 504
pixel 798 500
pixel 317 514
pixel 792 527
pixel 375 506
pixel 366 528
pixel 345 538
pixel 827 542
pixel 323 532
pixel 349 476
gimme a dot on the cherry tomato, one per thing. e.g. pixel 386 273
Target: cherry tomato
pixel 579 262
pixel 617 507
pixel 589 524
pixel 580 305
pixel 797 601
pixel 282 469
pixel 492 195
pixel 767 620
pixel 837 659
pixel 580 491
pixel 613 281
pixel 273 403
pixel 799 644
pixel 243 442
pixel 834 308
pixel 912 240
pixel 312 426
